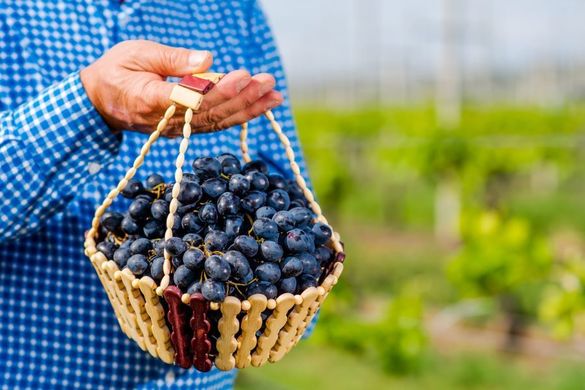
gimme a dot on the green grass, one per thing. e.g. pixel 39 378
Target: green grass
pixel 312 366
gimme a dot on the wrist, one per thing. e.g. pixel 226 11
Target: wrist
pixel 88 81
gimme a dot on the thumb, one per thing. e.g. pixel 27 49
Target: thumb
pixel 174 61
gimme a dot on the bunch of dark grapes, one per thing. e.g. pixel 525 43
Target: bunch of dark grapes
pixel 238 231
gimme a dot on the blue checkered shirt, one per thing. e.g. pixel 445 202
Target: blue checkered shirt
pixel 58 159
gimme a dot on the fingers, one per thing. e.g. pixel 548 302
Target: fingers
pixel 259 107
pixel 165 60
pixel 236 99
pixel 217 111
pixel 228 88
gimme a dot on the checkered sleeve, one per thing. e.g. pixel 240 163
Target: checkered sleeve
pixel 265 58
pixel 49 148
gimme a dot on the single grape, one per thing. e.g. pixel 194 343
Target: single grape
pixel 139 209
pixel 208 213
pixel 154 180
pixel 271 251
pixel 146 196
pixel 291 267
pixel 153 229
pixel 265 288
pixel 305 281
pixel 310 264
pixel 298 241
pixel 322 233
pixel 206 167
pixel 323 255
pixel 194 259
pixel 228 204
pixel 216 240
pixel 194 288
pixel 159 247
pixel 240 267
pixel 121 256
pixel 127 243
pixel 277 182
pixel 107 248
pixel 156 268
pixel 230 165
pixel 111 220
pixel 265 228
pixel 246 245
pixel 130 226
pixel 278 200
pixel 213 291
pixel 301 215
pixel 159 210
pixel 175 246
pixel 239 184
pixel 294 190
pixel 132 189
pixel 177 262
pixel 284 221
pixel 297 203
pixel 255 165
pixel 190 177
pixel 288 285
pixel 141 246
pixel 137 264
pixel 214 187
pixel 191 223
pixel 258 181
pixel 253 201
pixel 193 239
pixel 168 195
pixel 216 268
pixel 265 212
pixel 268 272
pixel 234 226
pixel 183 277
pixel 190 192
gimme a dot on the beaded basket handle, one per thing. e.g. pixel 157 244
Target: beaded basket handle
pixel 189 93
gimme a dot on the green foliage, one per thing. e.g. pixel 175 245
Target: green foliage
pixel 498 256
pixel 396 340
pixel 385 150
pixel 563 306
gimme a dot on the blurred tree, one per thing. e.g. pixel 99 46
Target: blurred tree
pixel 505 259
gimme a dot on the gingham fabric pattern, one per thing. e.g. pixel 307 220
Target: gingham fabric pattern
pixel 58 160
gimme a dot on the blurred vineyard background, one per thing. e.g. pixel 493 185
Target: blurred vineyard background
pixel 451 159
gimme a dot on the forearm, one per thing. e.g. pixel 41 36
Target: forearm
pixel 47 147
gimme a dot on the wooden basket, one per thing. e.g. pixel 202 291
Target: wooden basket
pixel 195 332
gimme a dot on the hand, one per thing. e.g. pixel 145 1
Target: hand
pixel 128 88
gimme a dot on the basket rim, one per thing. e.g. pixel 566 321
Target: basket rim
pixel 333 270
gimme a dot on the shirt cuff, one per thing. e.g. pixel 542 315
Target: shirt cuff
pixel 62 129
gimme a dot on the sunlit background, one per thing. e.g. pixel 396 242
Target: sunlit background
pixel 445 141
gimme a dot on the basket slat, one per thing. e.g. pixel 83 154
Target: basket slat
pixel 180 334
pixel 158 325
pixel 228 326
pixel 273 326
pixel 251 323
pixel 124 304
pixel 142 317
pixel 200 343
pixel 98 259
pixel 295 319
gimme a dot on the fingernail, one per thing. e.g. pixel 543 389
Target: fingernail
pixel 243 83
pixel 264 89
pixel 197 58
pixel 273 103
